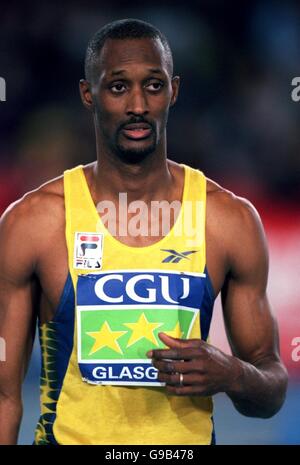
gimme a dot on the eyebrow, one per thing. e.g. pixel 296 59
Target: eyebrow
pixel 117 72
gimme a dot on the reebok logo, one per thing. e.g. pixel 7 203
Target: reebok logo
pixel 175 257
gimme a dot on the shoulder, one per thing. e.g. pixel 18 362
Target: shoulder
pixel 226 211
pixel 234 222
pixel 29 225
pixel 25 229
pixel 44 202
pixel 42 209
pixel 233 211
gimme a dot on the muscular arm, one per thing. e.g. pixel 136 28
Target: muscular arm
pixel 259 386
pixel 253 377
pixel 17 318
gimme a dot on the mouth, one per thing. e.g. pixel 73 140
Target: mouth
pixel 137 131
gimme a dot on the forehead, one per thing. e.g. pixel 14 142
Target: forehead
pixel 119 53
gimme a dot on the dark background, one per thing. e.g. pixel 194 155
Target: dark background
pixel 234 119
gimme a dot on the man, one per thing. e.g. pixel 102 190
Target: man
pixel 124 316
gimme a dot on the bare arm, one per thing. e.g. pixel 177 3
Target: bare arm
pixel 253 377
pixel 17 318
pixel 260 385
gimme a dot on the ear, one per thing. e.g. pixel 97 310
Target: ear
pixel 175 89
pixel 85 94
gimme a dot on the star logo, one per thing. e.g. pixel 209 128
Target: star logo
pixel 176 332
pixel 105 337
pixel 142 328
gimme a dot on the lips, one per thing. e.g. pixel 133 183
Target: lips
pixel 137 131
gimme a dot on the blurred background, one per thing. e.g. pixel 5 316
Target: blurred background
pixel 234 119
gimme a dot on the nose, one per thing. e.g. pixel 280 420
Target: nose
pixel 137 102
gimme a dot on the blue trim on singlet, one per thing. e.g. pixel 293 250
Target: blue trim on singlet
pixel 64 321
pixel 206 307
pixel 59 346
pixel 205 320
pixel 65 297
pixel 213 434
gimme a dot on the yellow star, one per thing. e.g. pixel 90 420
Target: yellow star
pixel 105 337
pixel 142 328
pixel 176 332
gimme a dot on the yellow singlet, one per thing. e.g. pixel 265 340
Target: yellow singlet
pixel 97 384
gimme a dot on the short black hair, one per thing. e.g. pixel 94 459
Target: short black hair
pixel 123 29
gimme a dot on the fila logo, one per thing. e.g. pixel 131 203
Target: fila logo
pixel 88 250
pixel 175 257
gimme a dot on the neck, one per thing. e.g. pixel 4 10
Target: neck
pixel 150 180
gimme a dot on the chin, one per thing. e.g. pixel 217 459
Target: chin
pixel 134 156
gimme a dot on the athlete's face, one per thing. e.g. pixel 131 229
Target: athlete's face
pixel 131 96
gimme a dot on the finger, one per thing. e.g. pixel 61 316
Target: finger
pixel 186 353
pixel 173 379
pixel 172 341
pixel 175 343
pixel 169 366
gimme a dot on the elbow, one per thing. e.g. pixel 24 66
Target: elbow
pixel 270 403
pixel 277 400
pixel 271 410
pixel 259 411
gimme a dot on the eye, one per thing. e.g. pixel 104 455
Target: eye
pixel 117 88
pixel 155 86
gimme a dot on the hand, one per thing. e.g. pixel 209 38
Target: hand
pixel 205 369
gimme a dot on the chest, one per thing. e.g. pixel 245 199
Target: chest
pixel 53 266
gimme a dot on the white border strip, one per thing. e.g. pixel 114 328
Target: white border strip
pixel 141 306
pixel 124 383
pixel 123 361
pixel 145 271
